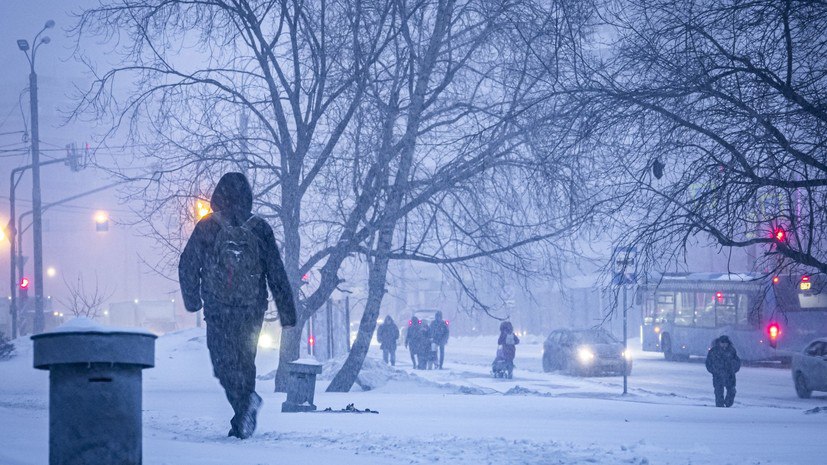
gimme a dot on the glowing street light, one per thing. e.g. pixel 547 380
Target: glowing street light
pixel 202 209
pixel 101 221
pixel 51 272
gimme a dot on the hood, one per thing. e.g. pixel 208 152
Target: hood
pixel 233 195
pixel 724 339
pixel 438 315
pixel 388 320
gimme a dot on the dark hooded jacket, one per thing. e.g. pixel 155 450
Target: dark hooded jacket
pixel 439 330
pixel 388 334
pixel 508 340
pixel 233 200
pixel 723 363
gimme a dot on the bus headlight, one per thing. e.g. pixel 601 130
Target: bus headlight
pixel 627 355
pixel 585 355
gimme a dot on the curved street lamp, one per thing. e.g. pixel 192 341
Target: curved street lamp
pixel 23 45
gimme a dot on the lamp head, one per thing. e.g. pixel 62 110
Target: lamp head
pixel 45 40
pixel 49 24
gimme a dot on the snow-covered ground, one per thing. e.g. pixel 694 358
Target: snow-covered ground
pixel 460 415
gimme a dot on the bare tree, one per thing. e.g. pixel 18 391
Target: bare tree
pixel 710 118
pixel 82 301
pixel 264 87
pixel 457 105
pixel 365 114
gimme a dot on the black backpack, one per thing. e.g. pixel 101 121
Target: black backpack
pixel 235 270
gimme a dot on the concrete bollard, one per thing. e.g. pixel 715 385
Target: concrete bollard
pixel 301 385
pixel 94 391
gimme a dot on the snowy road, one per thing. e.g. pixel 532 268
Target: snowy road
pixel 460 415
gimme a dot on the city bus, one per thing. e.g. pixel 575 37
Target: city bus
pixel 766 318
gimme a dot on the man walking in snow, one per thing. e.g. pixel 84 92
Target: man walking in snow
pixel 228 263
pixel 412 340
pixel 439 336
pixel 387 335
pixel 723 362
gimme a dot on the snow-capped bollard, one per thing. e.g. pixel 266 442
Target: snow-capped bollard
pixel 94 391
pixel 301 385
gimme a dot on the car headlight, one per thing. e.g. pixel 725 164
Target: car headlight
pixel 585 355
pixel 627 355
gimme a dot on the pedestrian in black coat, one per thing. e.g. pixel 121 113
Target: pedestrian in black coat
pixel 723 362
pixel 439 336
pixel 412 340
pixel 234 302
pixel 423 351
pixel 387 335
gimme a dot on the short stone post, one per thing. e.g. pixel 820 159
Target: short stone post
pixel 94 391
pixel 301 385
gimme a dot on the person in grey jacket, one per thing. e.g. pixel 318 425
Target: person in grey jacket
pixel 229 262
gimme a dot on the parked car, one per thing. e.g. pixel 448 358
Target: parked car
pixel 585 352
pixel 809 368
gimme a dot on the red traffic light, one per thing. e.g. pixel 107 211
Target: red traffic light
pixel 805 279
pixel 719 296
pixel 779 234
pixel 24 283
pixel 774 330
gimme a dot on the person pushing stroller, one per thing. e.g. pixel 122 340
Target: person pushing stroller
pixel 503 365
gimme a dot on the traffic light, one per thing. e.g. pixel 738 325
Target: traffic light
pixel 774 330
pixel 779 234
pixel 24 287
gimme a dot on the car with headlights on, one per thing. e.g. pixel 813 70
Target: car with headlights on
pixel 586 352
pixel 809 368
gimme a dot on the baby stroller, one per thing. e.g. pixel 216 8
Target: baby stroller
pixel 499 367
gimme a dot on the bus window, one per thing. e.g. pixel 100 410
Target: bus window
pixel 742 311
pixel 705 309
pixel 685 309
pixel 665 307
pixel 725 312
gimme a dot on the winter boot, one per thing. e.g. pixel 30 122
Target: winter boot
pixel 247 425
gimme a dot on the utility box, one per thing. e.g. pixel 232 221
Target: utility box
pixel 301 385
pixel 94 391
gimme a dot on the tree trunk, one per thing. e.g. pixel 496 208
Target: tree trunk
pixel 345 378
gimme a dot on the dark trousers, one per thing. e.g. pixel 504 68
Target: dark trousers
pixel 441 349
pixel 719 384
pixel 413 358
pixel 389 354
pixel 232 337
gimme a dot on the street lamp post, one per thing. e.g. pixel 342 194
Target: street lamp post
pixel 23 45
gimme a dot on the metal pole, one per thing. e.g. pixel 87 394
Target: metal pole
pixel 625 344
pixel 38 225
pixel 12 258
pixel 347 321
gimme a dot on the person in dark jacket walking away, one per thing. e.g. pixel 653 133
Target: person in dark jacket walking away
pixel 439 336
pixel 412 340
pixel 723 362
pixel 508 340
pixel 423 352
pixel 228 263
pixel 387 335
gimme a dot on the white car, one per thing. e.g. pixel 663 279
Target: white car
pixel 809 368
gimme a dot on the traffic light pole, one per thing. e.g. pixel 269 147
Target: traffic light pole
pixel 14 178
